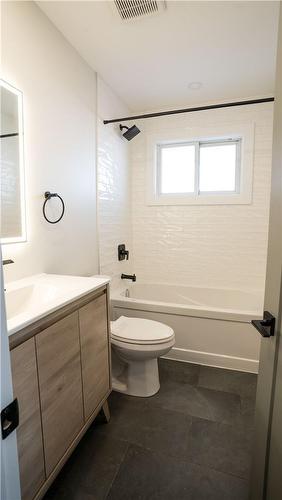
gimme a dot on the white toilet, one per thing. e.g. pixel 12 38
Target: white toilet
pixel 136 346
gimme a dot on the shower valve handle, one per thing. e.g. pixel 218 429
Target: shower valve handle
pixel 122 252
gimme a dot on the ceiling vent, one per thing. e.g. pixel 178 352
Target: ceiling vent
pixel 132 9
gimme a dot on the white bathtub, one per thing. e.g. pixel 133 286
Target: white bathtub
pixel 212 326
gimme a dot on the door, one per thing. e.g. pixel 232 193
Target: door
pixel 10 481
pixel 94 352
pixel 267 469
pixel 60 387
pixel 274 475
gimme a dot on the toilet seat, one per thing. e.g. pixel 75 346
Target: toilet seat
pixel 140 331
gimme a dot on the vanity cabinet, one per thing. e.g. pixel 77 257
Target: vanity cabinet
pixel 30 447
pixel 59 371
pixel 94 353
pixel 61 377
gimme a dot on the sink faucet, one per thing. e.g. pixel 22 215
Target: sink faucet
pixel 128 277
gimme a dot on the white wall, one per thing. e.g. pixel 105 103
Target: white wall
pixel 114 193
pixel 59 91
pixel 215 246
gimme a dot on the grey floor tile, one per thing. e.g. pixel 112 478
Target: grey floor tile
pixel 149 426
pixel 89 472
pixel 65 493
pixel 223 447
pixel 178 444
pixel 148 475
pixel 248 406
pixel 58 491
pixel 246 418
pixel 197 401
pixel 178 371
pixel 119 402
pixel 241 383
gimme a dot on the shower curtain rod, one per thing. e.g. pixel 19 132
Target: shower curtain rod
pixel 189 110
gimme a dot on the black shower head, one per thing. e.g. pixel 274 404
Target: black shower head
pixel 130 132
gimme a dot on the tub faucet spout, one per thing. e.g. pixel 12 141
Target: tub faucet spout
pixel 131 277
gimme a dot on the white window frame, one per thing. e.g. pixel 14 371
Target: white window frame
pixel 242 135
pixel 198 145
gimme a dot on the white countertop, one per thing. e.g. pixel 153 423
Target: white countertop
pixel 32 298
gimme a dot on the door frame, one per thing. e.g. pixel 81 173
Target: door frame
pixel 273 475
pixel 10 478
pixel 269 346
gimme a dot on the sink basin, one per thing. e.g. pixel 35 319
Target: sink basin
pixel 30 299
pixel 22 299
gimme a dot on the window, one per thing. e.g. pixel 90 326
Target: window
pixel 219 167
pixel 201 165
pixel 177 168
pixel 199 169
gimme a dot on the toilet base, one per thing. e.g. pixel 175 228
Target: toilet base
pixel 138 378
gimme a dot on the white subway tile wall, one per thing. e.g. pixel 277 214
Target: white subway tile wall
pixel 114 189
pixel 211 246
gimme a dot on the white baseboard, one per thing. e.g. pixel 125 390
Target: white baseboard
pixel 212 359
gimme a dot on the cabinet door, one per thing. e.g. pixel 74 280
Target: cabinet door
pixel 94 352
pixel 29 432
pixel 59 371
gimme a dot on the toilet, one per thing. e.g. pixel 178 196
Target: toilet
pixel 136 346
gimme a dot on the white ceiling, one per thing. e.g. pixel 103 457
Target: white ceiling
pixel 228 46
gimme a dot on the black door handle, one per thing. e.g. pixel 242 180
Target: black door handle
pixel 9 418
pixel 265 326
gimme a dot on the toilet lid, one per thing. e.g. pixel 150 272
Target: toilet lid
pixel 138 330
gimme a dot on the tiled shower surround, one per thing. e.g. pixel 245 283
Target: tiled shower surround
pixel 211 245
pixel 214 245
pixel 114 191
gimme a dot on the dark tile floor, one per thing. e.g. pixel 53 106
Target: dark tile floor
pixel 190 441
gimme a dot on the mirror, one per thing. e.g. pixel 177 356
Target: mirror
pixel 12 206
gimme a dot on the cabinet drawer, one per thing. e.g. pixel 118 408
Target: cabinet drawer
pixel 29 432
pixel 60 385
pixel 94 353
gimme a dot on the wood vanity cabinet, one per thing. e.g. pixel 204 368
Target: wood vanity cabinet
pixel 59 373
pixel 61 377
pixel 94 352
pixel 30 448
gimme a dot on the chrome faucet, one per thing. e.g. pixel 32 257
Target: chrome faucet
pixel 7 261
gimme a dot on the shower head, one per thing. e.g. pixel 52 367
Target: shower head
pixel 130 132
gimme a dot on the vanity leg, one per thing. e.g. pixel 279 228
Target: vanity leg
pixel 106 411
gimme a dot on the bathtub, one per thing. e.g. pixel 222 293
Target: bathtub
pixel 212 326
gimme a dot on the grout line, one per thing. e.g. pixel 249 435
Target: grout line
pixel 189 459
pixel 178 458
pixel 118 469
pixel 194 462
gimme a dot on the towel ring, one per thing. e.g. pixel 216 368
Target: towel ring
pixel 48 196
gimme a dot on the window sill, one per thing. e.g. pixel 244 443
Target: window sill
pixel 230 199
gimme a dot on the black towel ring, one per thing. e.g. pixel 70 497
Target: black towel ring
pixel 48 196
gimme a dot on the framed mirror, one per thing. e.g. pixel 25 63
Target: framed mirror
pixel 12 207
